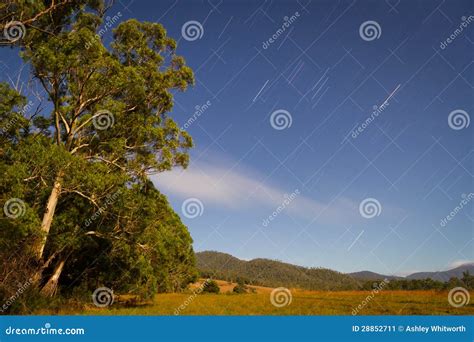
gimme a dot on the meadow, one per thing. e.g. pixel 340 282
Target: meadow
pixel 423 302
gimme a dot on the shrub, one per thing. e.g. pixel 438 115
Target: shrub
pixel 240 288
pixel 211 287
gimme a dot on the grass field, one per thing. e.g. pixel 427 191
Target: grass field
pixel 302 303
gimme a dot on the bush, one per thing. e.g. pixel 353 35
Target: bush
pixel 211 287
pixel 240 288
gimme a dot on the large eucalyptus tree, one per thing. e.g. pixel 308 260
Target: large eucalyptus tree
pixel 80 163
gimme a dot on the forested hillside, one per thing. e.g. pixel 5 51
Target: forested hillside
pixel 275 273
pixel 271 273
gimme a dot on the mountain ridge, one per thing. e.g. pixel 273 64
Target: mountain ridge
pixel 267 272
pixel 264 271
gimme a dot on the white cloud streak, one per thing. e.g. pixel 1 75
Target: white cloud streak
pixel 225 187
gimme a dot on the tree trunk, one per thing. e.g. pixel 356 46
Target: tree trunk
pixel 51 286
pixel 48 217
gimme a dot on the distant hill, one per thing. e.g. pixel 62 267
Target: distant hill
pixel 367 275
pixel 439 276
pixel 444 275
pixel 271 273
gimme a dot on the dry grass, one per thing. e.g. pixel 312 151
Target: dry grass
pixel 303 303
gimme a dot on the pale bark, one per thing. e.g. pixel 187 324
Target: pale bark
pixel 48 217
pixel 51 286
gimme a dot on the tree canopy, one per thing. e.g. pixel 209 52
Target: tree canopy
pixel 78 203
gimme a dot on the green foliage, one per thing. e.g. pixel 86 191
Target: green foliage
pixel 210 286
pixel 151 252
pixel 110 225
pixel 271 273
pixel 240 288
pixel 468 280
pixel 43 18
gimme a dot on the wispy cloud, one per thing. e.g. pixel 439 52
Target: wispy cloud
pixel 457 263
pixel 224 185
pixel 453 264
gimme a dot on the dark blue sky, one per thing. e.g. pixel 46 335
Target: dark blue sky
pixel 325 74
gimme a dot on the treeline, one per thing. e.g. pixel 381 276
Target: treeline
pixel 264 272
pixel 271 273
pixel 467 281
